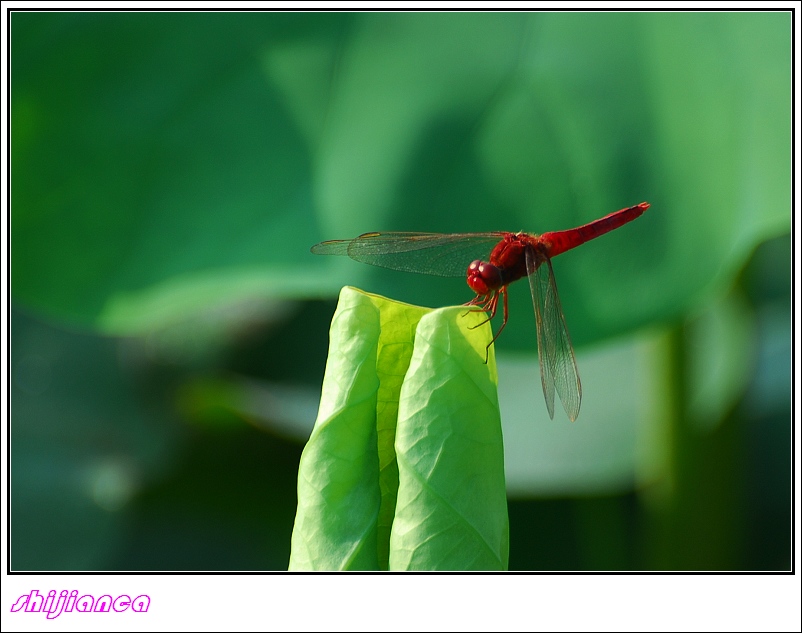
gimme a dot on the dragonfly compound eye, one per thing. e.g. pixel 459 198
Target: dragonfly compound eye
pixel 483 277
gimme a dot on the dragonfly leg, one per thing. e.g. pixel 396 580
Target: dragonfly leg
pixel 503 291
pixel 478 303
pixel 488 303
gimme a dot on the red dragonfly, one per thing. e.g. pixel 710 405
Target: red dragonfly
pixel 495 260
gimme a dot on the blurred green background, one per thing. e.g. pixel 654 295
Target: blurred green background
pixel 169 326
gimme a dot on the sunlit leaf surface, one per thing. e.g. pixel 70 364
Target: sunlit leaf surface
pixel 404 469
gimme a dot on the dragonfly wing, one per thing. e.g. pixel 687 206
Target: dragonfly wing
pixel 543 354
pixel 555 353
pixel 442 254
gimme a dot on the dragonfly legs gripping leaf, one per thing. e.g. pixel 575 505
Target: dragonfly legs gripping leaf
pixel 489 303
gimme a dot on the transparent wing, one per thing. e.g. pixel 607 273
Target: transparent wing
pixel 442 254
pixel 555 353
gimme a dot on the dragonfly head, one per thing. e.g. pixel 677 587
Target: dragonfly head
pixel 483 278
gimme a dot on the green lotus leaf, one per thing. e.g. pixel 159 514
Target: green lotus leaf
pixel 404 468
pixel 452 508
